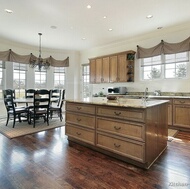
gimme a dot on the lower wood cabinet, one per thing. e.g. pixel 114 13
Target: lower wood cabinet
pixel 181 113
pixel 123 146
pixel 80 133
pixel 135 135
pixel 121 128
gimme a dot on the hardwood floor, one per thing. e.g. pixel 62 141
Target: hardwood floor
pixel 46 161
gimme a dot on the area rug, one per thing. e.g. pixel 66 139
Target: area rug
pixel 171 134
pixel 24 128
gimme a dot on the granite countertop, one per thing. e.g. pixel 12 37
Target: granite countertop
pixel 121 102
pixel 154 96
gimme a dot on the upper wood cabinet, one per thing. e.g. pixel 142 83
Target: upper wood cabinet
pixel 99 70
pixel 112 68
pixel 93 71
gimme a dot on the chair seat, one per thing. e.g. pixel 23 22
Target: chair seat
pixel 18 110
pixel 54 108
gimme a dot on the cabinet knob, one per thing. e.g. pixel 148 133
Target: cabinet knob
pixel 78 108
pixel 182 101
pixel 117 128
pixel 117 145
pixel 117 113
pixel 78 133
pixel 78 119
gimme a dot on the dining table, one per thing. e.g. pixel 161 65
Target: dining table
pixel 31 100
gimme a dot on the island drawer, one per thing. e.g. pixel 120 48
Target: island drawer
pixel 182 101
pixel 81 119
pixel 121 113
pixel 85 135
pixel 128 148
pixel 131 130
pixel 79 107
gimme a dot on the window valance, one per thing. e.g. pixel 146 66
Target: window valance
pixel 26 59
pixel 164 48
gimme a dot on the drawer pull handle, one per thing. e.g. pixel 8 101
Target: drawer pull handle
pixel 117 113
pixel 117 145
pixel 182 101
pixel 78 119
pixel 117 128
pixel 78 133
pixel 78 108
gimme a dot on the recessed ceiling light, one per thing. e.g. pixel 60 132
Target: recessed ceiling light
pixel 159 28
pixel 53 27
pixel 149 16
pixel 110 29
pixel 88 7
pixel 8 11
pixel 105 17
pixel 83 38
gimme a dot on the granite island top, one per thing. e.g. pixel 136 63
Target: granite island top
pixel 121 102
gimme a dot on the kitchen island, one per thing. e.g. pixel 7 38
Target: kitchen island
pixel 132 130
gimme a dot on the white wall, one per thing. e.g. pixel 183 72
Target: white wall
pixel 72 72
pixel 171 35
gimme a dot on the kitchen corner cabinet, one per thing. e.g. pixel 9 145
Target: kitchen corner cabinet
pixel 181 113
pixel 112 68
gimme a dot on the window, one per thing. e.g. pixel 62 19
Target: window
pixel 2 66
pixel 59 77
pixel 19 79
pixel 40 79
pixel 86 80
pixel 165 66
pixel 151 68
pixel 176 65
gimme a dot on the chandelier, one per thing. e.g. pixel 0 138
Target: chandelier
pixel 39 62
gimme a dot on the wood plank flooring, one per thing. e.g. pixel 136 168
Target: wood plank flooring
pixel 46 161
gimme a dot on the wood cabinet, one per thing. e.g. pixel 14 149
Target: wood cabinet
pixel 93 71
pixel 99 72
pixel 181 113
pixel 169 108
pixel 135 135
pixel 80 123
pixel 112 68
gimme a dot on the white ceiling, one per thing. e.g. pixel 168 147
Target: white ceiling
pixel 74 21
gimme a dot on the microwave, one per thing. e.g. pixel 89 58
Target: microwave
pixel 117 90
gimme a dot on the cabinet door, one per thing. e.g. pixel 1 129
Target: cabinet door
pixel 98 70
pixel 113 69
pixel 105 70
pixel 181 116
pixel 122 68
pixel 92 71
pixel 169 114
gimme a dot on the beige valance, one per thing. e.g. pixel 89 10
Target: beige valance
pixel 164 48
pixel 26 59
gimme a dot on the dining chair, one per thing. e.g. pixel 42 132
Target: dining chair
pixel 58 109
pixel 29 93
pixel 55 93
pixel 40 108
pixel 12 110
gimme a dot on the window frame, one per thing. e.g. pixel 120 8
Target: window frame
pixel 59 72
pixel 163 65
pixel 21 70
pixel 86 80
pixel 42 83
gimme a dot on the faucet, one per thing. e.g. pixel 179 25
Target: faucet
pixel 145 94
pixel 157 92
